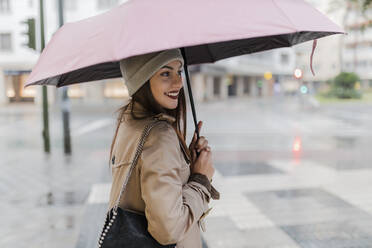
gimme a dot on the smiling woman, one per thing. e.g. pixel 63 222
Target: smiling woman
pixel 168 183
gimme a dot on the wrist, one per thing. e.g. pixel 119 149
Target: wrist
pixel 202 179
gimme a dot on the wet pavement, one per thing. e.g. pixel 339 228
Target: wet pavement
pixel 290 175
pixel 42 197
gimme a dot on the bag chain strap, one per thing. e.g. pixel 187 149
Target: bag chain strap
pixel 145 133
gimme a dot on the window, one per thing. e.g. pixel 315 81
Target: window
pixel 284 58
pixel 361 63
pixel 4 6
pixel 115 88
pixel 232 88
pixel 14 87
pixel 75 91
pixel 30 3
pixel 246 86
pixel 104 4
pixel 70 4
pixel 5 42
pixel 216 86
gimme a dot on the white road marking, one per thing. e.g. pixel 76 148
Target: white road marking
pixel 99 193
pixel 92 126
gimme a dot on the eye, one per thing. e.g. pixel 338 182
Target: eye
pixel 165 74
pixel 180 73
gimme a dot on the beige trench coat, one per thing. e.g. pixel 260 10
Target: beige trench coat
pixel 158 186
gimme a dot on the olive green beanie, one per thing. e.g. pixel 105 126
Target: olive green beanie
pixel 137 70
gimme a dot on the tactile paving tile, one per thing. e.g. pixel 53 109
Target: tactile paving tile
pixel 345 234
pixel 348 164
pixel 316 218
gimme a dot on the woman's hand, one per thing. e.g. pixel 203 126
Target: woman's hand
pixel 201 145
pixel 202 164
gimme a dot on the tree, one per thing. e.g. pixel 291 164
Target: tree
pixel 367 4
pixel 344 86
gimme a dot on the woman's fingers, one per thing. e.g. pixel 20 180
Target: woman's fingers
pixel 198 144
pixel 202 143
pixel 207 148
pixel 200 124
pixel 193 154
pixel 194 138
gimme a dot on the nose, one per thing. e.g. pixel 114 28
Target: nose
pixel 178 81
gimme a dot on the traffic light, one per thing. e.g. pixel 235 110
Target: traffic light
pixel 31 33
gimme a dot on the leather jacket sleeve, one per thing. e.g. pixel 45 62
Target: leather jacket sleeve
pixel 171 208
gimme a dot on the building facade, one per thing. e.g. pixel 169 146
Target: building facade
pixel 357 51
pixel 17 60
pixel 254 75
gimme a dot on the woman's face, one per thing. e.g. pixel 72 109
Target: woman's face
pixel 166 84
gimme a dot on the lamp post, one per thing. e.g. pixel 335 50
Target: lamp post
pixel 45 93
pixel 65 101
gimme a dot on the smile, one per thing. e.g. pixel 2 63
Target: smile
pixel 173 95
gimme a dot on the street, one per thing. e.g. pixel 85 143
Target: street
pixel 290 174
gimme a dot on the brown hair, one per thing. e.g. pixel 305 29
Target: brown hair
pixel 145 97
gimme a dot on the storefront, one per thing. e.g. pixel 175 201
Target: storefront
pixel 14 81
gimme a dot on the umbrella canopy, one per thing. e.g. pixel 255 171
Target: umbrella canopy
pixel 208 30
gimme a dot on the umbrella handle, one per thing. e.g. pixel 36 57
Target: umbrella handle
pixel 190 95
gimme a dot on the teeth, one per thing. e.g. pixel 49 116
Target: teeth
pixel 172 94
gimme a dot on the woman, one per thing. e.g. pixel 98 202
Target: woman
pixel 170 184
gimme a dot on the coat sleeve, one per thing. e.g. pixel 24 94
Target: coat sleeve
pixel 171 208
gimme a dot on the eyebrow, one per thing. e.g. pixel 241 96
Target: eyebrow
pixel 169 67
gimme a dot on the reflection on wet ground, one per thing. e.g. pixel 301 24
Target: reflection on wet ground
pixel 343 142
pixel 62 198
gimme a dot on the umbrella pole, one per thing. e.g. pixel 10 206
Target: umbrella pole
pixel 190 92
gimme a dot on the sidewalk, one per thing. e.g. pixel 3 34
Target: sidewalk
pixel 42 197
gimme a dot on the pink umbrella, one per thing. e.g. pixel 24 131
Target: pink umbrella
pixel 206 31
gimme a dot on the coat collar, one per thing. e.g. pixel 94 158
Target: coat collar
pixel 140 111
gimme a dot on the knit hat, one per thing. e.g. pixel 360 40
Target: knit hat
pixel 137 70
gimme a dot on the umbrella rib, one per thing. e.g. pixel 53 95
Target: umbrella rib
pixel 286 17
pixel 210 53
